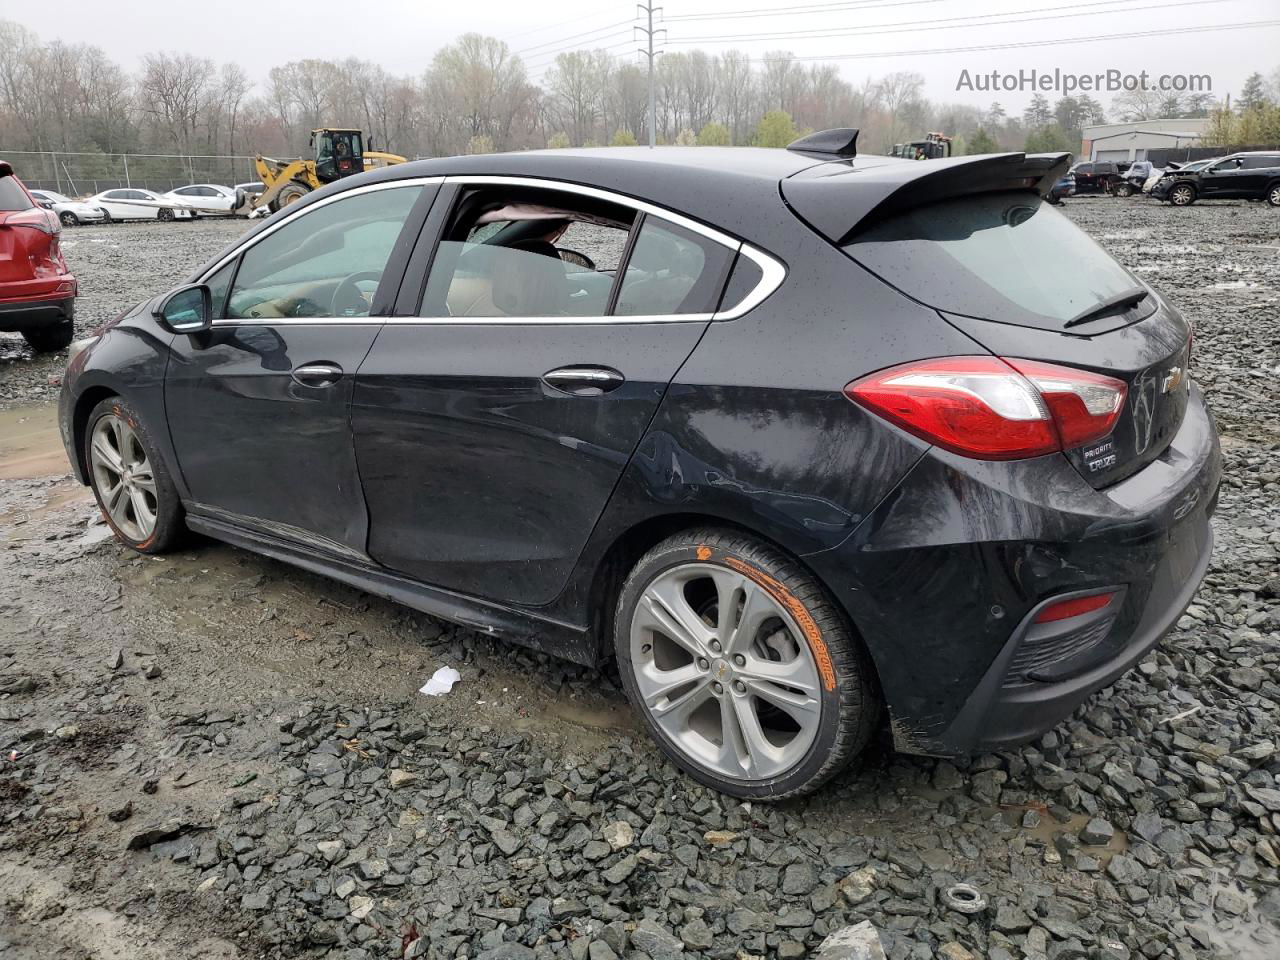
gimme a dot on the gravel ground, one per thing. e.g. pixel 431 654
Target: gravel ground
pixel 213 755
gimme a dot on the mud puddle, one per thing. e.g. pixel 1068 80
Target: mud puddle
pixel 30 445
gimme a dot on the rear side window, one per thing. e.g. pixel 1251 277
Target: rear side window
pixel 998 256
pixel 672 271
pixel 12 196
pixel 1260 163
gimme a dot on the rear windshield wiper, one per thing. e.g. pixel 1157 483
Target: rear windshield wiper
pixel 1129 297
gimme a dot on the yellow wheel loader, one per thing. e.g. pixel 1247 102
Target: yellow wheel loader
pixel 339 153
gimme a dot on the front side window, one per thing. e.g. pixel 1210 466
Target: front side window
pixel 325 263
pixel 672 271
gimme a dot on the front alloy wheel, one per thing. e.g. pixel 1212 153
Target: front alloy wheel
pixel 1273 195
pixel 1182 195
pixel 130 482
pixel 742 668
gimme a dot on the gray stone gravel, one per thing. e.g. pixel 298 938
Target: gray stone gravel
pixel 286 793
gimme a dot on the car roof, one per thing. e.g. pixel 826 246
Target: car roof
pixel 711 184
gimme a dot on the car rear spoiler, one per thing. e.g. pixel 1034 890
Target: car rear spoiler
pixel 5 169
pixel 840 200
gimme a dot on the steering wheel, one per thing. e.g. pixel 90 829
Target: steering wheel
pixel 576 258
pixel 349 300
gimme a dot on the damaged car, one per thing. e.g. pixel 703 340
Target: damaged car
pixel 810 443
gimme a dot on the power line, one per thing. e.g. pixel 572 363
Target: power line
pixel 574 36
pixel 948 23
pixel 552 26
pixel 1024 44
pixel 799 10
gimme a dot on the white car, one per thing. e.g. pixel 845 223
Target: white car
pixel 207 199
pixel 130 203
pixel 71 212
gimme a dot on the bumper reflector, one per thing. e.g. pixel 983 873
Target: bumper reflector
pixel 1073 607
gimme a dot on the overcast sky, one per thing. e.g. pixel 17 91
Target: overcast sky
pixel 894 34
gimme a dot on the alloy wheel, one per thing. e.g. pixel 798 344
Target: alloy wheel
pixel 1273 197
pixel 723 670
pixel 123 477
pixel 1182 196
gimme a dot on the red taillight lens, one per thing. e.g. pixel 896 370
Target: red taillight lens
pixel 38 218
pixel 993 409
pixel 1073 608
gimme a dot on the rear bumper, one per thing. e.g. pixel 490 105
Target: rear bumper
pixel 944 579
pixel 31 314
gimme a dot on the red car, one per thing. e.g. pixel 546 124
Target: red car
pixel 37 291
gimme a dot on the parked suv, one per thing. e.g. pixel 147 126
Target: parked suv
pixel 37 291
pixel 796 437
pixel 1095 176
pixel 1241 176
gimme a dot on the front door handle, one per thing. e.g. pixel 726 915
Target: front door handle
pixel 317 374
pixel 584 381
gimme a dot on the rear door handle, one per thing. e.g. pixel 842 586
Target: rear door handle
pixel 584 381
pixel 317 374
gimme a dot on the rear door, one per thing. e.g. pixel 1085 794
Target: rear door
pixel 258 407
pixel 493 423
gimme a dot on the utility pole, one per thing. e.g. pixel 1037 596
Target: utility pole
pixel 648 9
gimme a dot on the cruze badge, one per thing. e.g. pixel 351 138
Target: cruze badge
pixel 1172 380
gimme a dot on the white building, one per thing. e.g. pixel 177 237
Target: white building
pixel 1131 141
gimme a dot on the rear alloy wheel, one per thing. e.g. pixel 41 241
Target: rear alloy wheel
pixel 1273 195
pixel 165 214
pixel 741 666
pixel 1182 195
pixel 130 482
pixel 69 219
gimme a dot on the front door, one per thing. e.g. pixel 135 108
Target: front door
pixel 492 428
pixel 259 405
pixel 1222 180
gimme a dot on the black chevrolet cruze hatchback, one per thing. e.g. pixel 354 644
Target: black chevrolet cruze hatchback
pixel 801 438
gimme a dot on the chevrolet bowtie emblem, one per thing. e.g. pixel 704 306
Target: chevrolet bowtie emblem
pixel 1172 380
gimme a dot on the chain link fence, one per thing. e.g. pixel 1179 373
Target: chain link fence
pixel 84 174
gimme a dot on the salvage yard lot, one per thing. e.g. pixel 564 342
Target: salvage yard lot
pixel 214 755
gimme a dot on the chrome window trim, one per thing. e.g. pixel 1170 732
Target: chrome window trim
pixel 773 272
pixel 460 321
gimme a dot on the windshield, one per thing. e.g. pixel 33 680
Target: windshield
pixel 997 256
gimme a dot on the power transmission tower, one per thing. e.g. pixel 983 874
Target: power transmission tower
pixel 648 9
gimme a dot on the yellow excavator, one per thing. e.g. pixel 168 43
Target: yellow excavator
pixel 339 153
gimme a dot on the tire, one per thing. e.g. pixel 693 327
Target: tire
pixel 1124 190
pixel 794 628
pixel 165 215
pixel 1182 195
pixel 69 219
pixel 117 422
pixel 50 339
pixel 106 217
pixel 1273 195
pixel 290 193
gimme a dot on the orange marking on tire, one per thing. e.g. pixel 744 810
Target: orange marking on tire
pixel 797 609
pixel 704 553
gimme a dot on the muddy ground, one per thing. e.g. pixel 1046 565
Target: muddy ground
pixel 211 754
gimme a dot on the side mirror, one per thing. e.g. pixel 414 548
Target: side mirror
pixel 187 309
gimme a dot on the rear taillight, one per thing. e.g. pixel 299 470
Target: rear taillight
pixel 37 218
pixel 991 408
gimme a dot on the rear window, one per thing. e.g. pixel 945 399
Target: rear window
pixel 12 196
pixel 997 256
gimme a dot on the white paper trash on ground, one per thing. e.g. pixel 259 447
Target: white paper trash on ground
pixel 441 682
